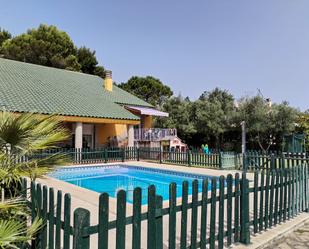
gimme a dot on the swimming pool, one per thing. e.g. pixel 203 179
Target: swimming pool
pixel 111 179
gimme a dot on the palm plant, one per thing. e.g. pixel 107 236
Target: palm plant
pixel 22 140
pixel 14 231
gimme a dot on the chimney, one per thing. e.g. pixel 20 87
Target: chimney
pixel 268 100
pixel 108 81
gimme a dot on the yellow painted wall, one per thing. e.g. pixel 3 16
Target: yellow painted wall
pixel 103 131
pixel 147 121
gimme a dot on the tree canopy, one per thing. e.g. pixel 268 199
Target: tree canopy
pixel 148 88
pixel 214 113
pixel 180 117
pixel 4 35
pixel 303 126
pixel 49 46
pixel 266 124
pixel 88 62
pixel 215 117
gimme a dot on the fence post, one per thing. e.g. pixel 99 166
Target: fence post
pixel 306 189
pixel 244 202
pixel 81 221
pixel 282 161
pixel 123 154
pixel 220 159
pixel 151 221
pixel 160 154
pixel 159 223
pixel 75 155
pixel 137 153
pixel 105 155
pixel 79 155
pixel 272 162
pixel 189 158
pixel 244 162
pixel 24 187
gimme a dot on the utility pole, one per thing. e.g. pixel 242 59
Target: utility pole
pixel 243 145
pixel 243 137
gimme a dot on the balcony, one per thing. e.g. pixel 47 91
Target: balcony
pixel 154 134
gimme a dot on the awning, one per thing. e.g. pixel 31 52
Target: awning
pixel 147 111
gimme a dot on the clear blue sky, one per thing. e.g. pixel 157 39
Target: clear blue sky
pixel 192 46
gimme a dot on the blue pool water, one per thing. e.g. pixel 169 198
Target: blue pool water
pixel 111 179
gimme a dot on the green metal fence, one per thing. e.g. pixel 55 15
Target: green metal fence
pixel 278 195
pixel 217 213
pixel 205 229
pixel 254 160
pixel 97 155
pixel 222 160
pixel 251 160
pixel 182 158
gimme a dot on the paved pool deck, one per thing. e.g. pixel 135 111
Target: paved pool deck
pixel 89 200
pixel 291 234
pixel 298 239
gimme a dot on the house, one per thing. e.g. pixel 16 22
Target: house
pixel 96 111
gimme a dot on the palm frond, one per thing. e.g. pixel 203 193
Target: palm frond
pixel 24 136
pixel 14 232
pixel 12 203
pixel 26 133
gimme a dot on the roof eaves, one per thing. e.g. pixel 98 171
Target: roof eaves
pixel 126 103
pixel 72 115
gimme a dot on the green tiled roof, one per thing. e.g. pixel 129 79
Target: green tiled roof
pixel 27 87
pixel 121 96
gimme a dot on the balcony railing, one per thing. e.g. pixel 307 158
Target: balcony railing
pixel 154 134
